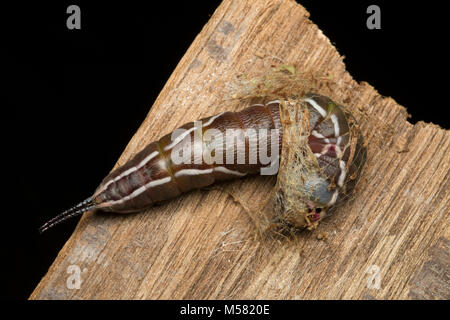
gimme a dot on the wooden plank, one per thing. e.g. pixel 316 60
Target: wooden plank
pixel 383 244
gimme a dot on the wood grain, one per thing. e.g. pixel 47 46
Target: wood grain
pixel 202 245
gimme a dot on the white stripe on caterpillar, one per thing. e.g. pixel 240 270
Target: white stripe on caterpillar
pixel 343 173
pixel 137 192
pixel 192 172
pixel 226 170
pixel 320 136
pixel 185 172
pixel 187 132
pixel 335 121
pixel 127 172
pixel 333 198
pixel 316 106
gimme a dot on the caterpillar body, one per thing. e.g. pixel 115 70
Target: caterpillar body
pixel 153 175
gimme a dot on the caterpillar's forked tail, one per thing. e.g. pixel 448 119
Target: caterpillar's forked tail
pixel 80 208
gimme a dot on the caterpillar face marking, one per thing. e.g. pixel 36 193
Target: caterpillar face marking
pixel 153 175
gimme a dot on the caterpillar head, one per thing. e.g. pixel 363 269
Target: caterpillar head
pixel 315 175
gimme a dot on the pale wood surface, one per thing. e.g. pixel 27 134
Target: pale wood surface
pixel 202 246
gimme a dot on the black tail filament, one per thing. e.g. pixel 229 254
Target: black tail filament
pixel 80 208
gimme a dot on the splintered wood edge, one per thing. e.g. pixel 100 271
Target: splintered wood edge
pixel 217 54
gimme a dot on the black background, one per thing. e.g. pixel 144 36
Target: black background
pixel 78 96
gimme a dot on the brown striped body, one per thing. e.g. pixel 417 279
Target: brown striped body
pixel 152 176
pixel 161 168
pixel 156 173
